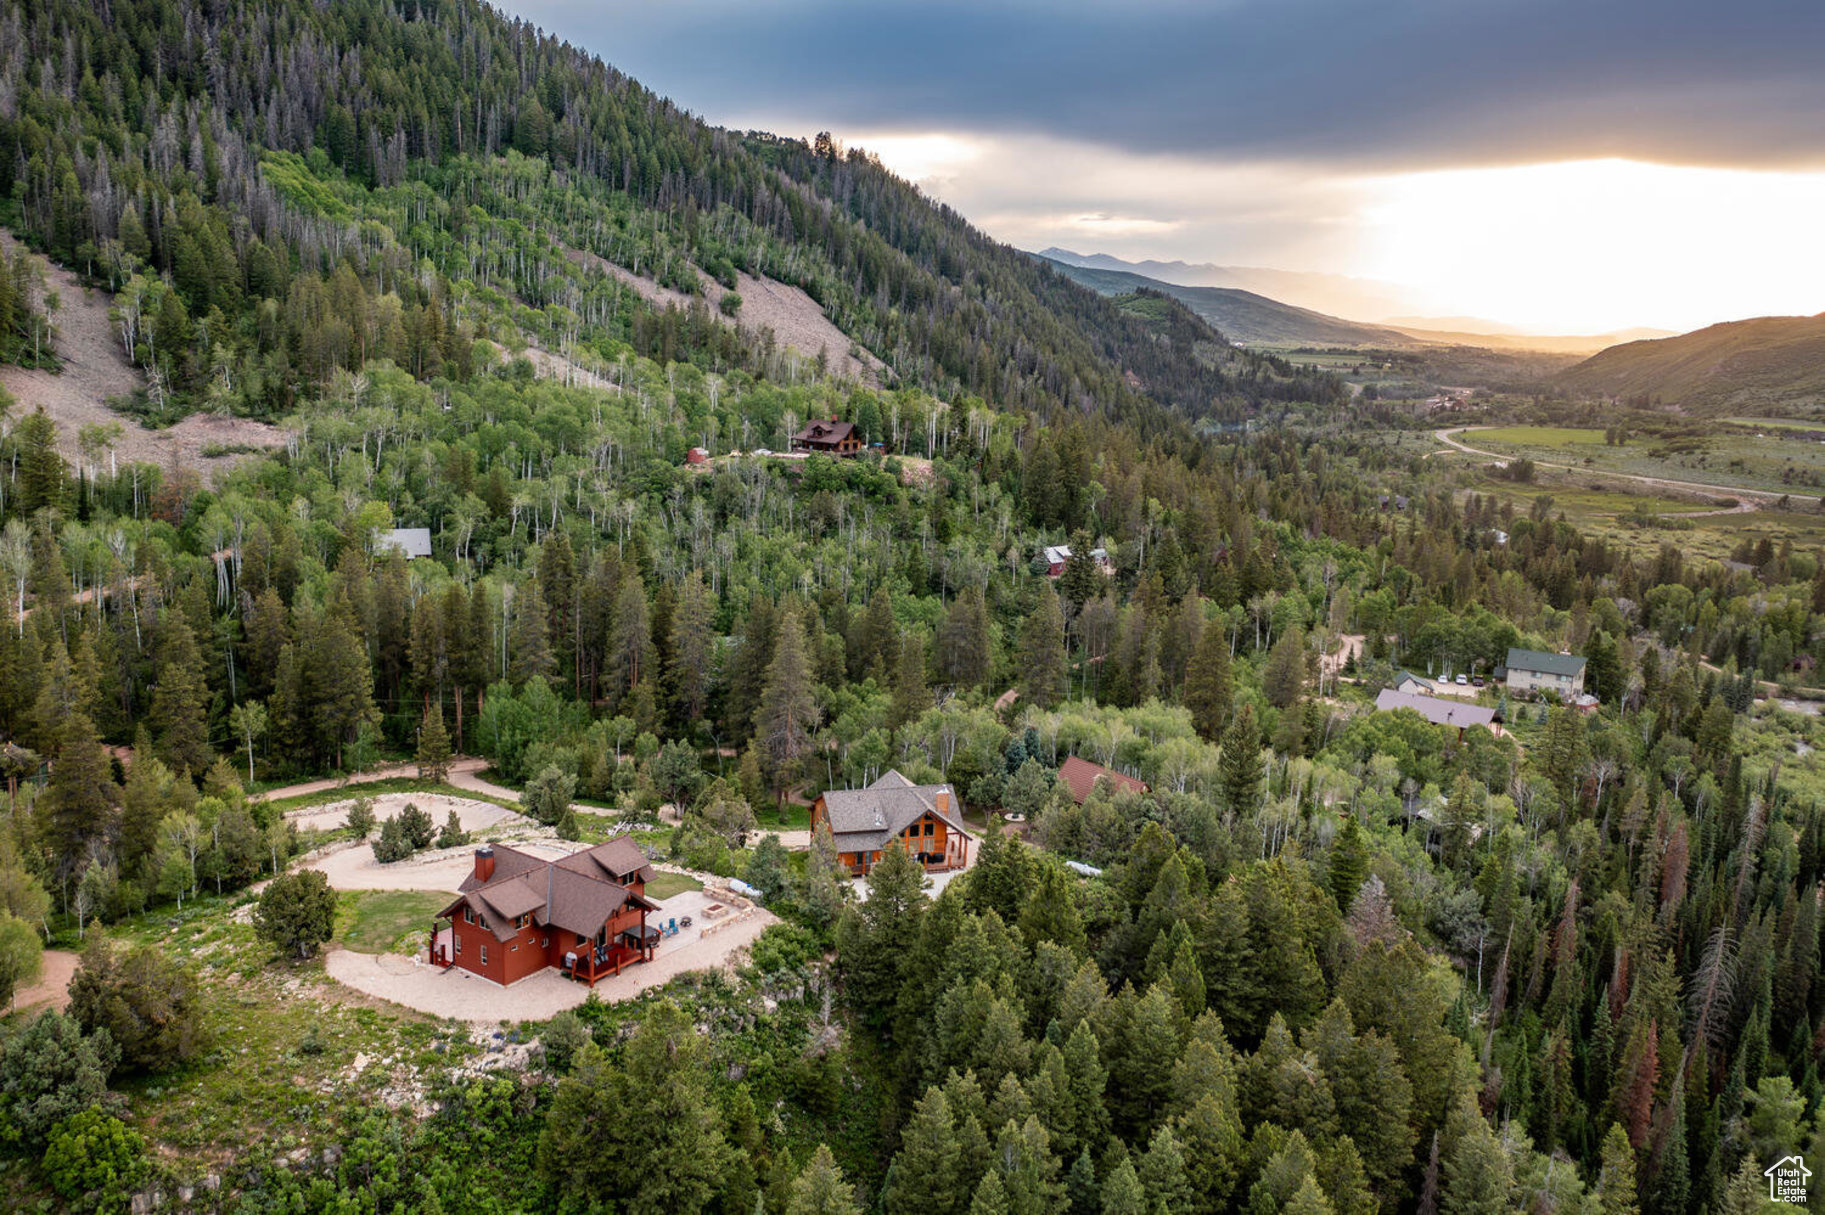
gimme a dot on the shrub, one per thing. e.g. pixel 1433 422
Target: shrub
pixel 145 1001
pixel 548 794
pixel 297 911
pixel 562 1039
pixel 48 1072
pixel 95 1161
pixel 392 844
pixel 21 955
pixel 418 825
pixel 361 817
pixel 453 835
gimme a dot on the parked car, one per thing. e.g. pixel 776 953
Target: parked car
pixel 1477 682
pixel 1463 680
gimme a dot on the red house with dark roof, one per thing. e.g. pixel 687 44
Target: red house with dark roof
pixel 519 914
pixel 1080 777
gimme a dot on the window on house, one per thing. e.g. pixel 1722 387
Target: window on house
pixel 544 942
pixel 514 948
pixel 468 915
pixel 484 955
pixel 459 943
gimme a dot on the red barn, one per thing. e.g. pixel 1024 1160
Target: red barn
pixel 519 914
pixel 696 455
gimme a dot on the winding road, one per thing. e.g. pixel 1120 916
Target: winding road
pixel 1748 498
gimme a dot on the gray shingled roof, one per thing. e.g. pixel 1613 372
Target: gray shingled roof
pixel 1438 710
pixel 863 820
pixel 1545 664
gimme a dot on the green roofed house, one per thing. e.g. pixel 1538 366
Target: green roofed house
pixel 1535 671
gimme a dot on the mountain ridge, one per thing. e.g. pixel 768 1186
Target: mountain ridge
pixel 1744 365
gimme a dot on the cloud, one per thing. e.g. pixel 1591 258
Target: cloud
pixel 1401 84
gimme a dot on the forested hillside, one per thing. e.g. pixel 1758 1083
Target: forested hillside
pixel 1332 960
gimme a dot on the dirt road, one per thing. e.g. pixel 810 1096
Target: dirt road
pixel 1747 498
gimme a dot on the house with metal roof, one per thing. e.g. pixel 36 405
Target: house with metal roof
pixel 412 541
pixel 926 820
pixel 1438 710
pixel 1538 671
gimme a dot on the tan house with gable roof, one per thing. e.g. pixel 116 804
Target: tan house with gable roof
pixel 893 812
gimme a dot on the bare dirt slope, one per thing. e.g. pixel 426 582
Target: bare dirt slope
pixel 94 369
pixel 794 317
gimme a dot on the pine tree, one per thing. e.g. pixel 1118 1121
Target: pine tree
pixel 434 748
pixel 1616 1180
pixel 1283 679
pixel 991 1197
pixel 529 638
pixel 688 663
pixel 1475 1173
pixel 1209 692
pixel 874 643
pixel 1349 863
pixel 875 938
pixel 821 1190
pixel 631 643
pixel 964 655
pixel 924 1175
pixel 1123 1193
pixel 1042 651
pixel 77 805
pixel 180 702
pixel 1163 1176
pixel 788 709
pixel 1240 768
pixel 911 695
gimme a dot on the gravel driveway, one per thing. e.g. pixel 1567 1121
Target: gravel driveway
pixel 461 996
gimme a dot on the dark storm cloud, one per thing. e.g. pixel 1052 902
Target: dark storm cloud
pixel 1403 83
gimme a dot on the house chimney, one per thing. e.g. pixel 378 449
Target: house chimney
pixel 484 863
pixel 944 800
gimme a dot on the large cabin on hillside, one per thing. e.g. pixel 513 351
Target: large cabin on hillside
pixel 894 813
pixel 518 914
pixel 829 436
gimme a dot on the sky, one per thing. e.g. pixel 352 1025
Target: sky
pixel 1570 166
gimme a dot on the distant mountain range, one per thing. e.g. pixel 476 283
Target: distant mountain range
pixel 1254 319
pixel 1735 367
pixel 1334 294
pixel 1243 316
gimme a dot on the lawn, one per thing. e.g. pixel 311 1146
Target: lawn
pixel 1552 438
pixel 386 921
pixel 1779 460
pixel 789 817
pixel 665 885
